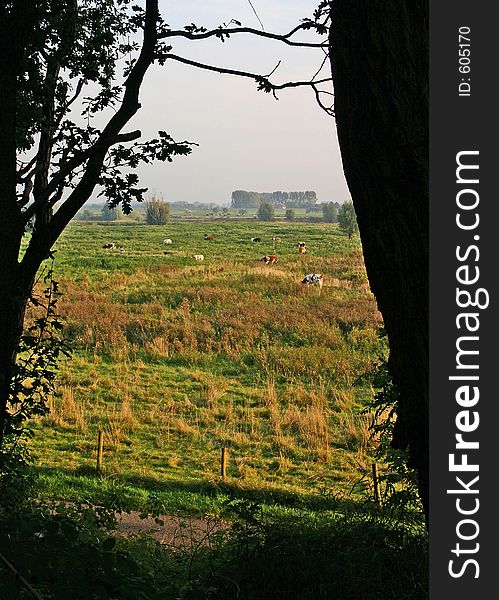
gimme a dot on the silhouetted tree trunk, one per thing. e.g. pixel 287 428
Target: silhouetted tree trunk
pixel 18 31
pixel 379 58
pixel 14 25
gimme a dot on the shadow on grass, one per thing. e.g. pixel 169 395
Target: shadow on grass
pixel 85 480
pixel 337 548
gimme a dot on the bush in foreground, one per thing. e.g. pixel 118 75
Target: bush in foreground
pixel 67 551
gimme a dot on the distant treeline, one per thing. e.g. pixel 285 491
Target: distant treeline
pixel 243 199
pixel 101 212
pixel 180 205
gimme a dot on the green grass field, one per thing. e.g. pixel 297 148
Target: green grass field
pixel 175 358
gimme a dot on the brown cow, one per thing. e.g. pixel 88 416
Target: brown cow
pixel 269 259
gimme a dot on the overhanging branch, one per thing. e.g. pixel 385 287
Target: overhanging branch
pixel 263 82
pixel 222 32
pixel 255 76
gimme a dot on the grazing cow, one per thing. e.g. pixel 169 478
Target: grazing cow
pixel 209 237
pixel 269 259
pixel 313 278
pixel 198 256
pixel 167 241
pixel 276 238
pixel 109 246
pixel 302 247
pixel 256 239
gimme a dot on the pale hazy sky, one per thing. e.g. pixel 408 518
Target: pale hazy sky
pixel 247 139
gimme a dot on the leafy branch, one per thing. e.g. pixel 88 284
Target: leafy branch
pixel 39 351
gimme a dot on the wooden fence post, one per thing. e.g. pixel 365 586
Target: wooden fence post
pixel 223 469
pixel 377 494
pixel 100 448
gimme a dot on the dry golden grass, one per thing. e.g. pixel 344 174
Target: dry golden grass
pixel 212 391
pixel 113 433
pixel 66 412
pixel 187 429
pixel 355 429
pixel 126 412
pixel 174 359
pixel 270 399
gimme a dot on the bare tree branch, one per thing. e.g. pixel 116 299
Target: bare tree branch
pixel 326 56
pixel 273 70
pixel 221 31
pixel 64 109
pixel 261 79
pixel 23 170
pixel 328 109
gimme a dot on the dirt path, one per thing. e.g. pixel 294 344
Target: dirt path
pixel 177 532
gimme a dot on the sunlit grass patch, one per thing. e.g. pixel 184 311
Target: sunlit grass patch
pixel 175 359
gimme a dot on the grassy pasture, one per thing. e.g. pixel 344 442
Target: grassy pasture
pixel 175 358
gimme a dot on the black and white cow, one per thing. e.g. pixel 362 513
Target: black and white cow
pixel 313 279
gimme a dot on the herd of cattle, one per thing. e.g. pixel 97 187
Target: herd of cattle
pixel 268 259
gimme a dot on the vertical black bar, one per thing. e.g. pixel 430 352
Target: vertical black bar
pixel 463 119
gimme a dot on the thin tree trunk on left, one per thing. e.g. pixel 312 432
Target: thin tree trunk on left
pixel 14 24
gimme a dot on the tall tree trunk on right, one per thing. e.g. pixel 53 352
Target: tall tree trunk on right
pixel 379 59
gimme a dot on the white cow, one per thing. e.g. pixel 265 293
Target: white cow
pixel 167 241
pixel 198 256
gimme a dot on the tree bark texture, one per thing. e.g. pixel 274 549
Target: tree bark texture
pixel 379 59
